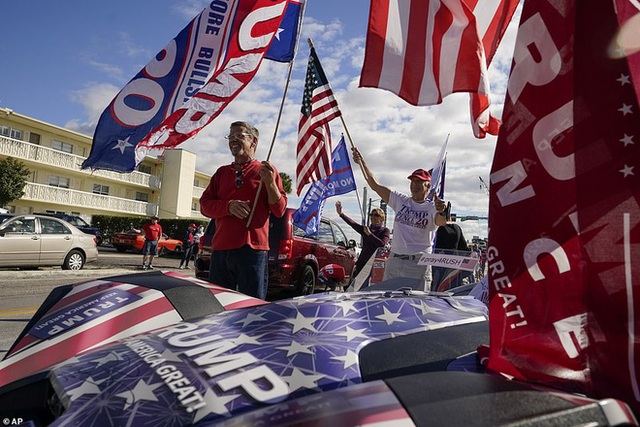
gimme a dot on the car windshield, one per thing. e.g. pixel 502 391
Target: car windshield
pixel 78 222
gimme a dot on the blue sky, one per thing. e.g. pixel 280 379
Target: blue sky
pixel 63 62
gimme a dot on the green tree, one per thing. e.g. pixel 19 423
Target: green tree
pixel 286 182
pixel 13 178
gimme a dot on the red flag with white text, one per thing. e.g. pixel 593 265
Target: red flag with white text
pixel 424 50
pixel 565 287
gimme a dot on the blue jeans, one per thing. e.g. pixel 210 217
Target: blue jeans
pixel 243 270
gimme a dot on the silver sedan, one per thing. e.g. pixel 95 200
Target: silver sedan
pixel 37 241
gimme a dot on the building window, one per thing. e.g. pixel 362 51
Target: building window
pixel 34 138
pixel 62 146
pixel 59 181
pixel 142 197
pixel 11 132
pixel 144 168
pixel 195 206
pixel 101 189
pixel 196 183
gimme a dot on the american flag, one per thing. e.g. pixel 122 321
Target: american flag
pixel 425 50
pixel 319 107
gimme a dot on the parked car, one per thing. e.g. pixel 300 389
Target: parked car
pixel 133 241
pixel 80 223
pixel 341 359
pixel 4 216
pixel 37 241
pixel 295 258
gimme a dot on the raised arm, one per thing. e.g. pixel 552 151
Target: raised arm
pixel 383 191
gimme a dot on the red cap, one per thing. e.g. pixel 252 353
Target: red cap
pixel 420 174
pixel 192 226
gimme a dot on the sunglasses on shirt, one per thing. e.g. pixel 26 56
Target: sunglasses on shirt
pixel 238 179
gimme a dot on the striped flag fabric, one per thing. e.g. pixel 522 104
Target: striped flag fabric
pixel 425 50
pixel 319 107
pixel 76 318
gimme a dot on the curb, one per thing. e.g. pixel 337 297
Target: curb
pixel 85 272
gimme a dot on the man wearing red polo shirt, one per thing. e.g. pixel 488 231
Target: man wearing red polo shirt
pixel 238 251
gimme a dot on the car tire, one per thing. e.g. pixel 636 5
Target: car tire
pixel 307 282
pixel 73 261
pixel 120 248
pixel 162 251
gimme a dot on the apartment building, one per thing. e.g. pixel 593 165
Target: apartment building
pixel 169 187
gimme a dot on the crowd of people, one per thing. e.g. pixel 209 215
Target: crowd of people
pixel 243 194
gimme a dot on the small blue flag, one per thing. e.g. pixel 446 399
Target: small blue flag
pixel 341 181
pixel 283 45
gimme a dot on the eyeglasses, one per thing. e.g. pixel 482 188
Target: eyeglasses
pixel 237 135
pixel 238 179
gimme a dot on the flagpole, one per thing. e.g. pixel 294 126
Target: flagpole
pixel 284 96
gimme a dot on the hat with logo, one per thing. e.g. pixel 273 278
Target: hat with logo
pixel 420 174
pixel 192 226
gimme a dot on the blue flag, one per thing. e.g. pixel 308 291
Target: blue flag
pixel 283 45
pixel 341 181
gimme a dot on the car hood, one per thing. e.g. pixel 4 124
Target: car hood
pixel 203 371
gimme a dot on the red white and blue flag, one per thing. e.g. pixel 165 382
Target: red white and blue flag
pixel 424 50
pixel 319 107
pixel 284 45
pixel 565 283
pixel 188 83
pixel 341 181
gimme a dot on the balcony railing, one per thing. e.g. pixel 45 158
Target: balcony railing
pixel 197 192
pixel 50 157
pixel 64 196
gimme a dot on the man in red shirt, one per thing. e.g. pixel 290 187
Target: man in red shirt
pixel 152 233
pixel 239 252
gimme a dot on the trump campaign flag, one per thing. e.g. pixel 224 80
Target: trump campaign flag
pixel 564 213
pixel 187 84
pixel 341 181
pixel 319 107
pixel 424 50
pixel 283 46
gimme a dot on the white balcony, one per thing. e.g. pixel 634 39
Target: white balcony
pixel 50 157
pixel 82 199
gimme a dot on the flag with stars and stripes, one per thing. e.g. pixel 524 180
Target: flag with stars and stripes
pixel 76 318
pixel 319 107
pixel 564 214
pixel 216 367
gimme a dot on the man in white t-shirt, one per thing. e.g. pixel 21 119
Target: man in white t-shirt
pixel 415 223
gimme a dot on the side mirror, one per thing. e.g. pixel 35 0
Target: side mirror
pixel 352 244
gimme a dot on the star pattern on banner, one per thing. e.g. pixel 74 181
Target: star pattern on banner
pixel 311 347
pixel 299 379
pixel 122 145
pixel 142 391
pixel 627 170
